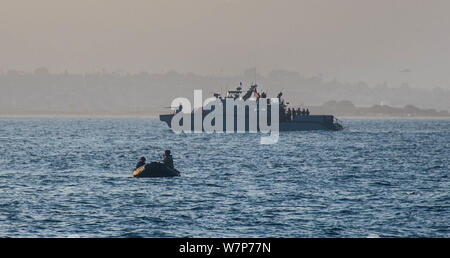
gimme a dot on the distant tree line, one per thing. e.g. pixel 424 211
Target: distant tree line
pixel 119 93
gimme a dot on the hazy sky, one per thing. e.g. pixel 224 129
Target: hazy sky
pixel 352 40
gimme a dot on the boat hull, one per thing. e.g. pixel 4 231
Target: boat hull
pixel 155 169
pixel 299 123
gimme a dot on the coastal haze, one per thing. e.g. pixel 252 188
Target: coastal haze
pixel 134 57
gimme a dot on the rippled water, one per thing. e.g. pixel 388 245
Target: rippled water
pixel 72 177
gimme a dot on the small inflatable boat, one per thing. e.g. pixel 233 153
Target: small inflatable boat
pixel 155 169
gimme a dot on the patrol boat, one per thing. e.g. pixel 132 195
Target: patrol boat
pixel 290 119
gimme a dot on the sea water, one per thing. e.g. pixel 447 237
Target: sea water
pixel 72 177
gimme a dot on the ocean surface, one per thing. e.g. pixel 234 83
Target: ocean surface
pixel 71 177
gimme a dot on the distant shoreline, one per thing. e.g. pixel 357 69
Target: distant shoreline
pixel 42 93
pixel 156 116
pixel 394 117
pixel 78 116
